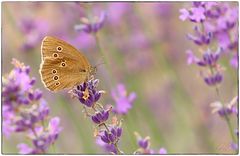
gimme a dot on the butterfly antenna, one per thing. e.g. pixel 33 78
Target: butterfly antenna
pixel 100 63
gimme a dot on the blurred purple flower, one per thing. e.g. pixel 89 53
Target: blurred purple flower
pixel 144 142
pixel 117 10
pixel 92 25
pixel 163 9
pixel 234 61
pixel 184 14
pixel 234 146
pixel 107 147
pixel 191 58
pixel 42 137
pixel 162 151
pixel 82 41
pixel 210 58
pixel 54 129
pixel 7 127
pixel 218 20
pixel 200 38
pixel 213 80
pixel 87 92
pixel 24 109
pixel 224 110
pixel 197 14
pixel 223 40
pixel 123 102
pixel 34 30
pixel 25 149
pixel 144 146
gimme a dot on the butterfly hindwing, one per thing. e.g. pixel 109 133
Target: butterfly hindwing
pixel 56 74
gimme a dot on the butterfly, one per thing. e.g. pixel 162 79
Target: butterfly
pixel 63 66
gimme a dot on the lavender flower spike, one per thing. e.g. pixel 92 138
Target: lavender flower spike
pixel 91 25
pixel 87 92
pixel 101 116
pixel 24 110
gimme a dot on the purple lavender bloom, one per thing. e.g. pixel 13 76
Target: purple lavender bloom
pixel 234 146
pixel 87 93
pixel 25 149
pixel 197 14
pixel 27 121
pixel 100 116
pixel 143 143
pixel 162 151
pixel 91 25
pixel 234 61
pixel 107 147
pixel 123 102
pixel 184 14
pixel 219 22
pixel 210 58
pixel 43 110
pixel 112 136
pixel 200 38
pixel 34 30
pixel 8 116
pixel 36 95
pixel 16 85
pixel 213 79
pixel 191 58
pixel 54 129
pixel 224 110
pixel 42 137
pixel 24 109
pixel 144 146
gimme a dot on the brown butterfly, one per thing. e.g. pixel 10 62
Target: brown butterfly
pixel 63 66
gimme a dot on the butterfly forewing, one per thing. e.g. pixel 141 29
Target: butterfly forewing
pixel 62 65
pixel 52 45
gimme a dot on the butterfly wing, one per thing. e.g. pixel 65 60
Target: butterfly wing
pixel 57 74
pixel 62 65
pixel 52 45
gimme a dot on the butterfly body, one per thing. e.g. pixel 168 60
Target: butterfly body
pixel 63 66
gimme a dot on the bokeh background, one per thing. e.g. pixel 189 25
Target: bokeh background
pixel 145 45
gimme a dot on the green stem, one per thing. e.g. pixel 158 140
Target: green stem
pixel 230 128
pixel 100 49
pixel 104 124
pixel 53 148
pixel 106 61
pixel 118 151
